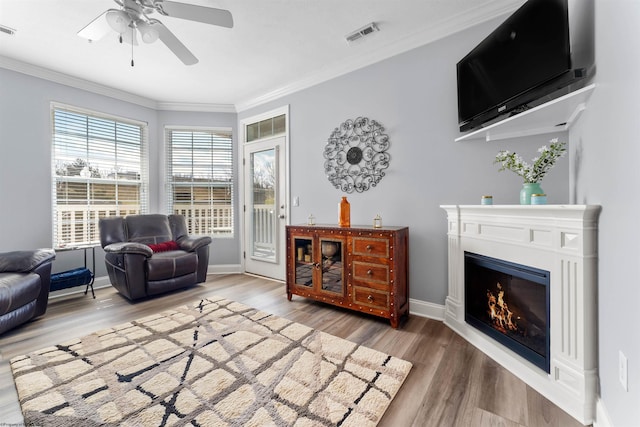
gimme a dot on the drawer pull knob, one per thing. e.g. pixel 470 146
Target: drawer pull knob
pixel 369 272
pixel 368 248
pixel 370 298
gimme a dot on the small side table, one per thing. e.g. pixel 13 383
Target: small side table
pixel 79 276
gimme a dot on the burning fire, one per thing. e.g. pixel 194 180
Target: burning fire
pixel 499 311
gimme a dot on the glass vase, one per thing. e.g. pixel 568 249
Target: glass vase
pixel 529 188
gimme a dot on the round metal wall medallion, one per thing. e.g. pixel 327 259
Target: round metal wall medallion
pixel 356 155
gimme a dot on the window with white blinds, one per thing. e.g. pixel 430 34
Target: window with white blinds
pixel 200 179
pixel 99 168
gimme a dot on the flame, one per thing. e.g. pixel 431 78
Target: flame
pixel 499 311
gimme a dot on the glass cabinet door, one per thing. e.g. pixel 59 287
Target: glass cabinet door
pixel 304 261
pixel 331 261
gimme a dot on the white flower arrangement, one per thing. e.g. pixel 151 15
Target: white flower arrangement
pixel 541 164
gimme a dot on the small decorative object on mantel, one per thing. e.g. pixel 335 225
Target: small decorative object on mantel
pixel 311 220
pixel 532 174
pixel 377 221
pixel 538 199
pixel 344 213
pixel 356 154
pixel 486 200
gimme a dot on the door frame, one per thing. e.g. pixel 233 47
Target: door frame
pixel 271 267
pixel 242 123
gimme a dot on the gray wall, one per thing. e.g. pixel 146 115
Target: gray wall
pixel 414 96
pixel 25 161
pixel 604 170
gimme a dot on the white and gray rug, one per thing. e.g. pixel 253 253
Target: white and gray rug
pixel 211 363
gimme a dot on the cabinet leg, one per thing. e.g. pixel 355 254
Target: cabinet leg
pixel 289 295
pixel 394 322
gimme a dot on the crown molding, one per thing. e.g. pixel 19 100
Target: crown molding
pixel 67 80
pixel 469 18
pixel 196 107
pixel 89 86
pixel 445 28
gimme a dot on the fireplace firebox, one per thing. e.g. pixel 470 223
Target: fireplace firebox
pixel 510 303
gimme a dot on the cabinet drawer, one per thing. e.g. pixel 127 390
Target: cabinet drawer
pixel 369 246
pixel 371 297
pixel 371 273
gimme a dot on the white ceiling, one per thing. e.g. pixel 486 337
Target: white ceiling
pixel 274 48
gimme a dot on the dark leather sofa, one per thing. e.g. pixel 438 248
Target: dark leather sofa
pixel 136 270
pixel 25 277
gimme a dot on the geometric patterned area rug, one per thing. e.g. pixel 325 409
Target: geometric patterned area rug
pixel 211 363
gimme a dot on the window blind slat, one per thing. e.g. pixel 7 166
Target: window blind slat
pixel 99 169
pixel 199 170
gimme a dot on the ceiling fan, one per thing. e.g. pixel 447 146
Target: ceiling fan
pixel 134 15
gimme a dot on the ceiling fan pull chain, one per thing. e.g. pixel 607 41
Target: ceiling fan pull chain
pixel 132 40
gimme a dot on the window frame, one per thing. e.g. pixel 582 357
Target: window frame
pixel 169 182
pixel 91 217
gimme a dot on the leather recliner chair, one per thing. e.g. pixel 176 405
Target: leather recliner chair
pixel 151 254
pixel 25 277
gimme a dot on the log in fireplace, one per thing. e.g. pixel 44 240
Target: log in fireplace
pixel 510 303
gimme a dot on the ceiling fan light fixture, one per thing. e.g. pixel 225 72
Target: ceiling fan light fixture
pixel 148 33
pixel 132 17
pixel 118 20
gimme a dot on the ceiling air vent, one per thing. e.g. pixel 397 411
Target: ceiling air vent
pixel 7 30
pixel 360 33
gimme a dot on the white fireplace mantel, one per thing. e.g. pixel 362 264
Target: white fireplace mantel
pixel 561 239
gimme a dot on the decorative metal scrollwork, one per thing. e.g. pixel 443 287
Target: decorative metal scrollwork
pixel 356 155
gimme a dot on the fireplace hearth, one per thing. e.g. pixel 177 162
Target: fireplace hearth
pixel 510 303
pixel 509 311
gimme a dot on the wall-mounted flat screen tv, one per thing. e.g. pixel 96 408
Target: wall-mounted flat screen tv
pixel 545 47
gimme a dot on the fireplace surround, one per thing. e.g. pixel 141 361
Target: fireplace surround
pixel 560 240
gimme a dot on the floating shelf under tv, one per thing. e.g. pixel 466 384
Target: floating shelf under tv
pixel 554 116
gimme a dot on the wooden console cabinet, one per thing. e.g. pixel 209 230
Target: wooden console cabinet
pixel 359 268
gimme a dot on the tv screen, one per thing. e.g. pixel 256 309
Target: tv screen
pixel 527 55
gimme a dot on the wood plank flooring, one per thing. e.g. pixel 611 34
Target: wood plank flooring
pixel 451 383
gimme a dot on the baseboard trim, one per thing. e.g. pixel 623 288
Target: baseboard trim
pixel 426 309
pixel 417 307
pixel 98 283
pixel 104 282
pixel 602 416
pixel 225 269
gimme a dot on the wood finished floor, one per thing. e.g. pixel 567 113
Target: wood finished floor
pixel 451 383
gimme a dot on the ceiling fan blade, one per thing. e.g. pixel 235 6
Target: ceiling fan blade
pixel 192 12
pixel 97 29
pixel 175 45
